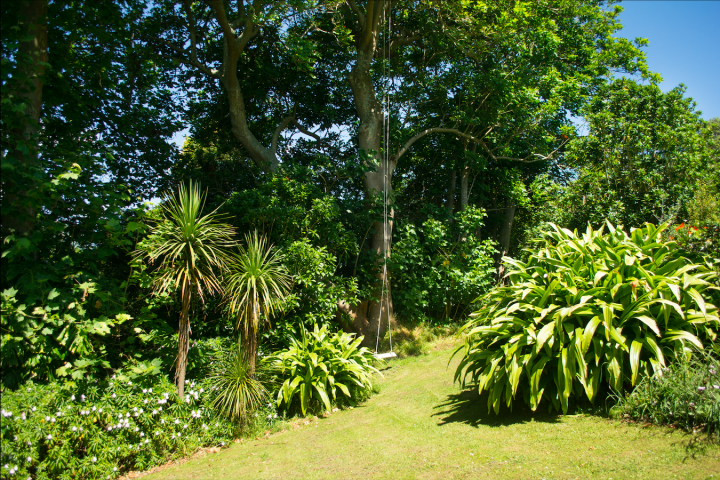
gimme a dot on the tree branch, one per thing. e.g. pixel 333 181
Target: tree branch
pixel 471 138
pixel 276 136
pixel 305 130
pixel 358 12
pixel 193 62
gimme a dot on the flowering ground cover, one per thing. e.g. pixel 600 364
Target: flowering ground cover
pixel 421 425
pixel 102 430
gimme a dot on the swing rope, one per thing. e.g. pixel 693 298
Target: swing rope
pixel 387 22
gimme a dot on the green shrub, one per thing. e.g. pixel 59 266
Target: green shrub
pixel 685 394
pixel 99 430
pixel 316 368
pixel 237 390
pixel 585 312
pixel 438 268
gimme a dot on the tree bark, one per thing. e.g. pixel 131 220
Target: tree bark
pixel 378 180
pixel 464 191
pixel 505 231
pixel 450 201
pixel 31 58
pixel 183 342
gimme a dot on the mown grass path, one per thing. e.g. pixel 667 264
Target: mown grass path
pixel 422 426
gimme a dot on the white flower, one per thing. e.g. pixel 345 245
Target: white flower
pixel 162 420
pixel 49 437
pixel 185 426
pixel 29 459
pixel 144 390
pixel 177 421
pixel 74 429
pixel 115 468
pixel 94 459
pixel 202 390
pixel 94 408
pixel 129 383
pixel 150 390
pixel 137 429
pixel 127 414
pixel 159 409
pixel 147 441
pixel 145 401
pixel 142 434
pixel 47 419
pixel 33 409
pixel 113 395
pixel 22 415
pixel 109 428
pixel 141 410
pixel 80 428
pixel 52 420
pixel 72 397
pixel 99 410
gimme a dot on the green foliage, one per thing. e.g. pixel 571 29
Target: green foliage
pixel 439 268
pixel 316 291
pixel 256 287
pixel 102 430
pixel 685 394
pixel 315 369
pixel 588 311
pixel 238 391
pixel 189 248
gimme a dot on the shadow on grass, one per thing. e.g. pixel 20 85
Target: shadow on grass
pixel 470 408
pixel 698 444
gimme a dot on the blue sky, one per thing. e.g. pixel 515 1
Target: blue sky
pixel 684 45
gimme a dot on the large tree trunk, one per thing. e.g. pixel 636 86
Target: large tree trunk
pixel 26 84
pixel 505 231
pixel 183 342
pixel 378 180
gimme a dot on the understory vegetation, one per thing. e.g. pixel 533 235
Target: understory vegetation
pixel 261 194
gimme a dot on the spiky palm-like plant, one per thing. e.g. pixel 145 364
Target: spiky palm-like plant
pixel 257 285
pixel 238 391
pixel 189 247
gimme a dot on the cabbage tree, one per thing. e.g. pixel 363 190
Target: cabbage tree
pixel 190 249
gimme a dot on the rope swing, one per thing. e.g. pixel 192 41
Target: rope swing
pixel 384 295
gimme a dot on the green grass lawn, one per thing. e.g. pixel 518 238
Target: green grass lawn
pixel 420 425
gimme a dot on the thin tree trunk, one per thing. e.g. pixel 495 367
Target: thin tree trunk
pixel 505 231
pixel 450 201
pixel 249 339
pixel 27 84
pixel 183 342
pixel 464 191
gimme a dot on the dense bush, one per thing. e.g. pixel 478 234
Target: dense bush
pixel 685 394
pixel 438 268
pixel 588 311
pixel 99 430
pixel 317 289
pixel 315 369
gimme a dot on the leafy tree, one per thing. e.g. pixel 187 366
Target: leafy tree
pixel 189 247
